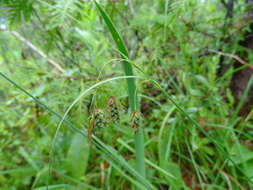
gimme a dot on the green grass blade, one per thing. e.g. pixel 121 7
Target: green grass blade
pixel 60 186
pixel 195 166
pixel 133 181
pixel 116 37
pixel 242 100
pixel 166 173
pixel 123 53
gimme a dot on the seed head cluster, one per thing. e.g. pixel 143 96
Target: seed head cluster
pixel 113 110
pixel 99 119
pixel 136 118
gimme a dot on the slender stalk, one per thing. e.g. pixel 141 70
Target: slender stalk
pixel 34 48
pixel 139 151
pixel 133 102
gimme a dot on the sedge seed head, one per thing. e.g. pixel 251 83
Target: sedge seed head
pixel 99 119
pixel 113 109
pixel 135 120
pixel 90 128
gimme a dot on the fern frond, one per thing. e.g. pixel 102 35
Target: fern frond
pixel 63 11
pixel 18 9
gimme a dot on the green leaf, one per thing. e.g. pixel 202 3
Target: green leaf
pixel 241 154
pixel 78 156
pixel 18 9
pixel 202 80
pixel 175 169
pixel 60 186
pixel 249 169
pixel 28 158
pixel 124 55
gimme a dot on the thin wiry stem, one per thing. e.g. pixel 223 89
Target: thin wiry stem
pixel 236 57
pixel 34 48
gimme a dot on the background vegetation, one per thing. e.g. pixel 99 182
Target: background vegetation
pixel 193 74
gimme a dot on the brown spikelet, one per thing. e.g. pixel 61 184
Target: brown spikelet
pixel 113 109
pixel 99 119
pixel 135 120
pixel 90 129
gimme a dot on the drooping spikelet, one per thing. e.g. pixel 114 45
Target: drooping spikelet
pixel 90 128
pixel 113 109
pixel 97 121
pixel 135 120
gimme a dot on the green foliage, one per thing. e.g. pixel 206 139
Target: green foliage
pixel 78 155
pixel 18 10
pixel 194 134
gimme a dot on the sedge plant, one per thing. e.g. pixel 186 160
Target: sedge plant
pixel 133 98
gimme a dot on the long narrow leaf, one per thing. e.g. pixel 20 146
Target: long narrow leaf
pixel 124 54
